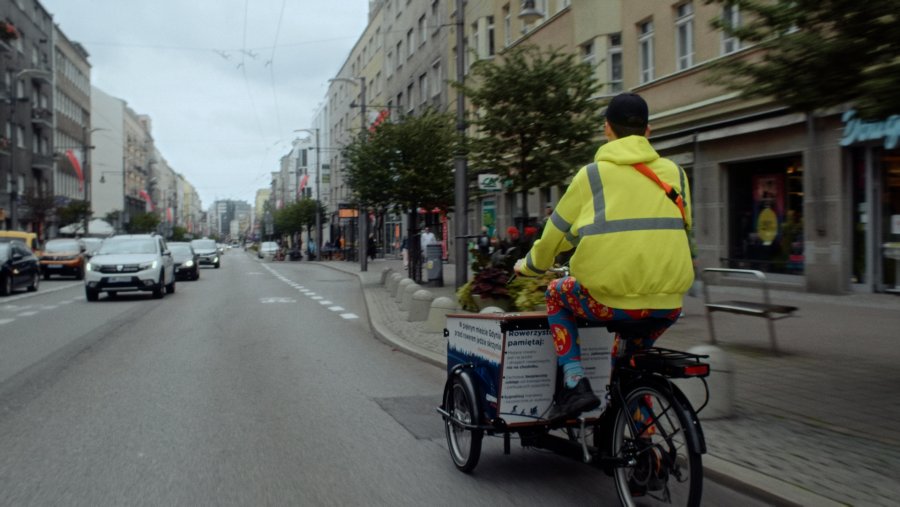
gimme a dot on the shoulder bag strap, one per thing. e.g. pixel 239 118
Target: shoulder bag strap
pixel 671 193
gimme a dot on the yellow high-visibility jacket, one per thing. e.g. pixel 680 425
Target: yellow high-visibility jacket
pixel 632 249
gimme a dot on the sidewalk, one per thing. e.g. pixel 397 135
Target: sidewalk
pixel 816 425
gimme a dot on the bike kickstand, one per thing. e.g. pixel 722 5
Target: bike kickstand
pixel 586 456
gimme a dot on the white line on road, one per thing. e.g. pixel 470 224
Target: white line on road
pixel 349 316
pixel 336 308
pixel 325 302
pixel 5 321
pixel 27 314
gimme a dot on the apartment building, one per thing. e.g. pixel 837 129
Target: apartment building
pixel 26 154
pixel 72 113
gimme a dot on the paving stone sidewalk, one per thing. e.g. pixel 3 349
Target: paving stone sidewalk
pixel 811 426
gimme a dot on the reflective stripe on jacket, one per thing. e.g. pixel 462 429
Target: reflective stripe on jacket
pixel 632 243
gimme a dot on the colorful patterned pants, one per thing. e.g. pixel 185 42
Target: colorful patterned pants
pixel 568 301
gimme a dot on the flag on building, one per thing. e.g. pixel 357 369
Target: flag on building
pixel 76 164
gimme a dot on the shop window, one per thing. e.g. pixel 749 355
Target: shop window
pixel 890 218
pixel 766 215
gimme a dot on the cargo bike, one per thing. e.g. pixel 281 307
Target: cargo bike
pixel 502 376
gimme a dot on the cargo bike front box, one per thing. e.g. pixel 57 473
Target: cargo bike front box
pixel 512 360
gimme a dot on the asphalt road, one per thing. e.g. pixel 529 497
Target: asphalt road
pixel 259 384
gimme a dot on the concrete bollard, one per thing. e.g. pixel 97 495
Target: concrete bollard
pixel 492 309
pixel 408 291
pixel 392 282
pixel 437 314
pixel 398 291
pixel 720 382
pixel 419 305
pixel 385 273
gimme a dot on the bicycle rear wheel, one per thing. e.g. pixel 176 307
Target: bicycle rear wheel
pixel 667 468
pixel 464 443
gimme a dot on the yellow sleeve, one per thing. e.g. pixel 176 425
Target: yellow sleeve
pixel 559 235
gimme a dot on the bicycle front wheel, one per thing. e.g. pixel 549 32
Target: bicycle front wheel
pixel 652 429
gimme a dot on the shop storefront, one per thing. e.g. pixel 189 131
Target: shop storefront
pixel 873 157
pixel 764 199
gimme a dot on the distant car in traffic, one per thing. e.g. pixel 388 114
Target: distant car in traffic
pixel 208 252
pixel 64 257
pixel 129 263
pixel 19 268
pixel 267 249
pixel 187 262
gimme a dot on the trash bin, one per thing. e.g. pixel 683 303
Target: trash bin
pixel 434 264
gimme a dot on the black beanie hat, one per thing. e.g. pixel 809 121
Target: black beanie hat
pixel 628 110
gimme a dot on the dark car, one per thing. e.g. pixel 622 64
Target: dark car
pixel 19 268
pixel 208 252
pixel 187 262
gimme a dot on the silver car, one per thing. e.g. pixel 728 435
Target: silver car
pixel 130 263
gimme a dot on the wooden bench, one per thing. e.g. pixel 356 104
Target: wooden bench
pixel 761 308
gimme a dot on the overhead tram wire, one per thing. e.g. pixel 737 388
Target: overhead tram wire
pixel 243 68
pixel 271 64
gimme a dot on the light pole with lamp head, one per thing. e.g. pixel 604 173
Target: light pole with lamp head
pixel 363 217
pixel 318 194
pixel 124 197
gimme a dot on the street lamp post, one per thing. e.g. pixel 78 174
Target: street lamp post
pixel 363 217
pixel 124 197
pixel 318 194
pixel 459 163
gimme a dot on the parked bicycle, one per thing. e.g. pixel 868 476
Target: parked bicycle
pixel 502 378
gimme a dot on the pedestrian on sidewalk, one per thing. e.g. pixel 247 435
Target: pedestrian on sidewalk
pixel 632 261
pixel 371 247
pixel 427 239
pixel 404 252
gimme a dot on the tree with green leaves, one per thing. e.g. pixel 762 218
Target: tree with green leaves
pixel 536 116
pixel 75 212
pixel 144 223
pixel 405 165
pixel 816 54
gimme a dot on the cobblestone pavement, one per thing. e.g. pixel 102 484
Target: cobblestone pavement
pixel 815 423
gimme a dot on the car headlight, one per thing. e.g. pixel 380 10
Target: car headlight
pixel 149 265
pixel 89 266
pixel 188 263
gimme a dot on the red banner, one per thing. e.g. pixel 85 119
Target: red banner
pixel 146 197
pixel 76 164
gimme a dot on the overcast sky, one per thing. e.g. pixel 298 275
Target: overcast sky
pixel 226 82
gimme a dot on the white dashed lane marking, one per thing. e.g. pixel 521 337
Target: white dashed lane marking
pixel 27 314
pixel 5 321
pixel 308 293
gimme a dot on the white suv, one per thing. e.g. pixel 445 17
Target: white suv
pixel 128 263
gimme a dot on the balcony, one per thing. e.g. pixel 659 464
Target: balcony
pixel 42 162
pixel 42 117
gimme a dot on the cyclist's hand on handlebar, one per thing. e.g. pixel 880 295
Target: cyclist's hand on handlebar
pixel 519 268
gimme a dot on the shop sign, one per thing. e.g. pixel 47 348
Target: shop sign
pixel 858 130
pixel 489 182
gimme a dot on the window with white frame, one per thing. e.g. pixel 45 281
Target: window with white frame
pixel 436 78
pixel 507 26
pixel 731 17
pixel 615 62
pixel 476 40
pixel 645 43
pixel 490 36
pixel 410 43
pixel 588 55
pixel 390 64
pixel 423 88
pixel 410 101
pixel 423 31
pixel 684 35
pixel 436 18
pixel 399 52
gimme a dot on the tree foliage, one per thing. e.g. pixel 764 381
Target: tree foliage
pixel 817 53
pixel 75 212
pixel 536 116
pixel 297 216
pixel 143 223
pixel 405 164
